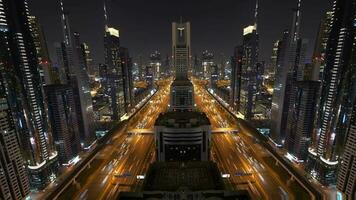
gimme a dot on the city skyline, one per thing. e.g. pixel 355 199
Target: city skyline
pixel 222 29
pixel 183 123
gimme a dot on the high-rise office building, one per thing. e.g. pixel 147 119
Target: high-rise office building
pixel 114 74
pixel 300 122
pixel 181 49
pixel 119 72
pixel 88 61
pixel 39 39
pixel 248 90
pixel 126 71
pixel 289 70
pixel 272 67
pixel 156 63
pixel 337 96
pixel 346 179
pixel 318 63
pixel 64 124
pixel 181 89
pixel 77 77
pixel 207 61
pixel 236 66
pixel 14 183
pixel 27 101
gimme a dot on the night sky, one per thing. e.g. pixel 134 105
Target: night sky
pixel 145 25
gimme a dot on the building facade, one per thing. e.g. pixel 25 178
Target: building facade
pixel 63 120
pixel 182 136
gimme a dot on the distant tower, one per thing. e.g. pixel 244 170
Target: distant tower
pixel 182 88
pixel 181 49
pixel 249 69
pixel 289 70
pixel 77 77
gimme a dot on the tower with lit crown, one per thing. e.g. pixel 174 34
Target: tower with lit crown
pixel 182 88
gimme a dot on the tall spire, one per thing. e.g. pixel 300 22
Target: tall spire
pixel 256 15
pixel 295 32
pixel 105 16
pixel 65 25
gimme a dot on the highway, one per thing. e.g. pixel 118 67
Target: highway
pixel 125 157
pixel 129 155
pixel 240 155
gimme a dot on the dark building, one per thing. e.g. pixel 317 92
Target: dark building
pixel 188 180
pixel 126 67
pixel 290 68
pixel 156 64
pixel 346 182
pixel 320 47
pixel 14 183
pixel 45 65
pixel 88 61
pixel 301 119
pixel 63 119
pixel 337 94
pixel 27 101
pixel 72 62
pixel 182 136
pixel 207 61
pixel 236 66
pixel 248 90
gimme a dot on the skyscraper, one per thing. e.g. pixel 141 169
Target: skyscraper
pixel 289 70
pixel 63 120
pixel 181 49
pixel 27 101
pixel 346 182
pixel 156 63
pixel 77 77
pixel 39 39
pixel 126 71
pixel 182 88
pixel 337 98
pixel 119 72
pixel 88 60
pixel 14 183
pixel 320 47
pixel 248 90
pixel 236 66
pixel 300 122
pixel 207 61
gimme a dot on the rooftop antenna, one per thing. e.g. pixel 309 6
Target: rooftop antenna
pixel 105 16
pixel 256 15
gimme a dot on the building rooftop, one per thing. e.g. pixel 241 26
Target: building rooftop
pixel 182 119
pixel 205 195
pixel 179 176
pixel 182 82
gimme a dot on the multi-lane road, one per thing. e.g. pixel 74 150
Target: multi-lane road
pixel 128 156
pixel 125 156
pixel 240 155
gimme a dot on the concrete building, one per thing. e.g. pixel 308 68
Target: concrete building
pixel 182 136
